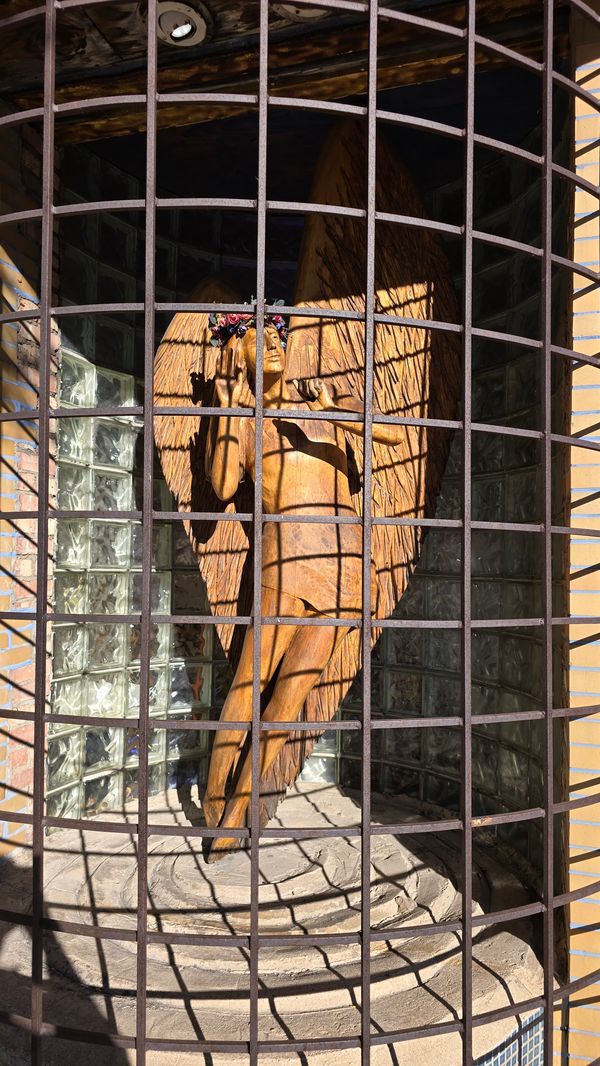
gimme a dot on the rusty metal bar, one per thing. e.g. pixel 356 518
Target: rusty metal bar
pixel 147 525
pixel 261 236
pixel 40 681
pixel 467 752
pixel 367 526
pixel 547 680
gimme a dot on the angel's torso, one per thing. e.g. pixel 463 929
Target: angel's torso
pixel 305 467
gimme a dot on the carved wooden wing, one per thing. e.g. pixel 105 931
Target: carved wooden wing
pixel 184 370
pixel 416 374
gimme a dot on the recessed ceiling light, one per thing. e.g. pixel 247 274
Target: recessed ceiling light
pixel 300 12
pixel 180 24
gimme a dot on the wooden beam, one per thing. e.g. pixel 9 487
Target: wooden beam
pixel 325 66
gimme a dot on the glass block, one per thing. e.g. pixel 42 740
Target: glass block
pixel 183 555
pixel 441 696
pixel 110 545
pixel 103 748
pixel 513 777
pixel 113 390
pixel 66 697
pixel 412 604
pixel 75 381
pixel 73 487
pixel 159 642
pixel 190 685
pixel 74 440
pixel 189 593
pixel 158 691
pixel 443 649
pixel 484 699
pixel 320 768
pixel 185 744
pixel 112 492
pixel 114 444
pixel 400 745
pixel 487 453
pixel 397 780
pixel 521 662
pixel 521 599
pixel 70 593
pixel 106 645
pixel 523 382
pixel 103 793
pixel 63 759
pixel 72 545
pixel 488 499
pixel 107 593
pixel 403 647
pixel 64 804
pixel 326 744
pixel 442 749
pixel 486 553
pixel 486 599
pixel 486 655
pixel 160 593
pixel 443 598
pixel 442 551
pixel 489 395
pixel 523 554
pixel 484 762
pixel 449 501
pixel 68 650
pixel 351 774
pixel 191 641
pixel 105 694
pixel 157 745
pixel 522 496
pixel 161 545
pixel 403 693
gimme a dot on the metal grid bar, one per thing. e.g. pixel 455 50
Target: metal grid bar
pixel 467 751
pixel 141 827
pixel 147 526
pixel 46 288
pixel 546 378
pixel 366 638
pixel 258 619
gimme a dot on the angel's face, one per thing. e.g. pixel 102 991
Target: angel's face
pixel 274 355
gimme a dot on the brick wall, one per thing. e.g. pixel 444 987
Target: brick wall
pixel 20 189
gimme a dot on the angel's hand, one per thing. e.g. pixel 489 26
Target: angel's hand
pixel 316 392
pixel 229 390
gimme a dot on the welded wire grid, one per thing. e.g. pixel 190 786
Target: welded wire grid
pixel 553 995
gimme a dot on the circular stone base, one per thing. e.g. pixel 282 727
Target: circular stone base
pixel 308 888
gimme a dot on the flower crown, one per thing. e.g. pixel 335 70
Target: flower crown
pixel 223 326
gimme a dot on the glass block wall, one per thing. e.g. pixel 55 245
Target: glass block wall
pixel 96 667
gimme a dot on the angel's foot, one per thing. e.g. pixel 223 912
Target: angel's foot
pixel 213 808
pixel 222 846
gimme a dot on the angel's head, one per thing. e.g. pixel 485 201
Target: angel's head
pixel 273 354
pixel 238 347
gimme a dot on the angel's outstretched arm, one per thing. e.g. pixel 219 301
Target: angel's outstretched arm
pixel 389 434
pixel 225 467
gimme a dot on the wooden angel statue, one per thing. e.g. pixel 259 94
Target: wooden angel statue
pixel 311 467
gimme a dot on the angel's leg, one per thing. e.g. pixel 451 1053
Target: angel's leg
pixel 302 666
pixel 238 704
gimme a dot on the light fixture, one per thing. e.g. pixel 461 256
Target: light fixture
pixel 181 24
pixel 300 12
